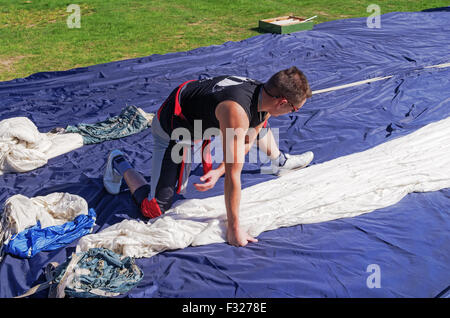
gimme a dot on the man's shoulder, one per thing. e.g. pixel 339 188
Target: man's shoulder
pixel 231 111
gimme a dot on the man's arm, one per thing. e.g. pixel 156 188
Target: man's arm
pixel 212 176
pixel 233 125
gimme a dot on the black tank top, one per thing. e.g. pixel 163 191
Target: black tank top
pixel 199 99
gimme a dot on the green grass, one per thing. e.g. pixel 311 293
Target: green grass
pixel 34 36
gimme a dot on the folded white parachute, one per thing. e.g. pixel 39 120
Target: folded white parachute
pixel 21 212
pixel 344 187
pixel 23 148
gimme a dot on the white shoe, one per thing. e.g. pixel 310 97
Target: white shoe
pixel 293 163
pixel 112 180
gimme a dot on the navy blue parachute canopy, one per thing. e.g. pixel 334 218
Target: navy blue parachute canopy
pixel 407 242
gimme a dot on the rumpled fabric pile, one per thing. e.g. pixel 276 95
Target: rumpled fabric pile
pixel 131 120
pixel 23 148
pixel 43 223
pixel 97 272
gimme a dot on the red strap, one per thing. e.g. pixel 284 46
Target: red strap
pixel 206 156
pixel 177 110
pixel 150 209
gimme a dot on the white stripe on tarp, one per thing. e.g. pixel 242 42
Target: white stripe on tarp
pixel 375 79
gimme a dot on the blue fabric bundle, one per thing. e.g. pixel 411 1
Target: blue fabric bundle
pixel 36 239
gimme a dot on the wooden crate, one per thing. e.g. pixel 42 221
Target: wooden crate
pixel 286 24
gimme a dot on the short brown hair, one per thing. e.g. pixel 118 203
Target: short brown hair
pixel 290 83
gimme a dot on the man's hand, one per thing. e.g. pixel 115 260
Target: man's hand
pixel 238 237
pixel 209 180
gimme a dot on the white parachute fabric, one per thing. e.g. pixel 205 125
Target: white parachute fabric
pixel 23 148
pixel 344 187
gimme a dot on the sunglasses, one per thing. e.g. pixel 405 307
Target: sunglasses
pixel 290 104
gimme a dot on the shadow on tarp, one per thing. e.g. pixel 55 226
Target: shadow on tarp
pixel 445 9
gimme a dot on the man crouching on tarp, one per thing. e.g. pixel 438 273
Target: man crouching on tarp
pixel 240 108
